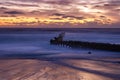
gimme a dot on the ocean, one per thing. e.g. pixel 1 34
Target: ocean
pixel 36 41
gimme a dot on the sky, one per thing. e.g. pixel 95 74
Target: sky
pixel 60 13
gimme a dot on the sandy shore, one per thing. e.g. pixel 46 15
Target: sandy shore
pixel 78 69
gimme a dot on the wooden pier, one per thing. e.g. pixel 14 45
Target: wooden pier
pixel 83 44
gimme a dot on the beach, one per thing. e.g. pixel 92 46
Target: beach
pixel 67 69
pixel 28 55
pixel 59 39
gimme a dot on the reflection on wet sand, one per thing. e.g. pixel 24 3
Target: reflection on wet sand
pixel 45 67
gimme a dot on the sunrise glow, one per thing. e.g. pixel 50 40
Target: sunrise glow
pixel 58 12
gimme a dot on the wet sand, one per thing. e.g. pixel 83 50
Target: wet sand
pixel 70 69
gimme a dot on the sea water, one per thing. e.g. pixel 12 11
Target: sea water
pixel 23 41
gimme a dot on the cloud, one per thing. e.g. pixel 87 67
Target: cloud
pixel 118 10
pixel 58 14
pixel 62 10
pixel 7 12
pixel 20 4
pixel 68 16
pixel 3 8
pixel 102 16
pixel 117 2
pixel 74 17
pixel 110 4
pixel 56 18
pixel 13 12
pixel 59 2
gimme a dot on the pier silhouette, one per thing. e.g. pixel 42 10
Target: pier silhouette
pixel 84 44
